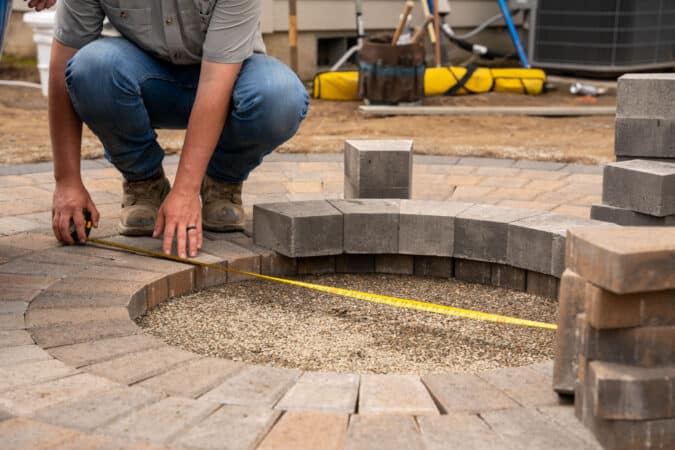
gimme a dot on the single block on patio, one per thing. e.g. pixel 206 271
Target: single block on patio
pixel 378 169
pixel 298 229
pixel 640 185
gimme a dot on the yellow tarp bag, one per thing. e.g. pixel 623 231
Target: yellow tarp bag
pixel 441 81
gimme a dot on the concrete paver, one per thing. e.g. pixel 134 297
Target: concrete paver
pixel 300 430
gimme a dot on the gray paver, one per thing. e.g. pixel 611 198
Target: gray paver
pixel 434 266
pixel 395 394
pixel 88 353
pixel 311 228
pixel 230 427
pixel 626 217
pixel 383 432
pixel 11 321
pixel 466 431
pixel 57 335
pixel 28 399
pixel 316 265
pixel 572 294
pixel 370 225
pixel 253 386
pixel 466 393
pixel 508 277
pixel 638 137
pixel 645 95
pixel 473 271
pixel 644 186
pixel 323 391
pixel 204 374
pixel 161 421
pixel 97 409
pixel 538 243
pixel 427 227
pixel 378 169
pixel 40 317
pixel 347 263
pixel 134 367
pixel 524 385
pixel 32 373
pixel 565 418
pixel 12 338
pixel 542 285
pixel 395 264
pixel 481 231
pixel 526 428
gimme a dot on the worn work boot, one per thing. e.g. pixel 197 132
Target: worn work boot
pixel 140 202
pixel 221 206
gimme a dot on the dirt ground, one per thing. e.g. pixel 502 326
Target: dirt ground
pixel 25 137
pixel 269 323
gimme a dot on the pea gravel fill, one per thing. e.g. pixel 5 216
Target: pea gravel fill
pixel 286 326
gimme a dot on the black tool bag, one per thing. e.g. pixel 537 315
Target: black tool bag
pixel 390 74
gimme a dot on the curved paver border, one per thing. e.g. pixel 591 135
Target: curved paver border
pixel 93 376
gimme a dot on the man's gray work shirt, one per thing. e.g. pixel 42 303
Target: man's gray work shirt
pixel 178 31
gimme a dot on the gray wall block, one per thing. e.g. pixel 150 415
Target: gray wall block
pixel 378 168
pixel 643 186
pixel 427 227
pixel 646 95
pixel 626 217
pixel 481 231
pixel 538 243
pixel 370 225
pixel 295 229
pixel 652 137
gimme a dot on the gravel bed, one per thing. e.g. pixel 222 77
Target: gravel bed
pixel 261 322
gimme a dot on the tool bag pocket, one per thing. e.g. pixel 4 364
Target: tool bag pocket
pixel 390 74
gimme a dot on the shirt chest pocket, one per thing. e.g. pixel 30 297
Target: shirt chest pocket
pixel 133 23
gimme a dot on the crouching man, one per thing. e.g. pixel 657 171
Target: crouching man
pixel 180 64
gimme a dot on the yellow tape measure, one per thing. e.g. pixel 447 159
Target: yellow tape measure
pixel 375 298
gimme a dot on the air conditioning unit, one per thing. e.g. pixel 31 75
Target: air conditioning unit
pixel 609 36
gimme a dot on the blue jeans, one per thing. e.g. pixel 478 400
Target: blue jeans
pixel 123 94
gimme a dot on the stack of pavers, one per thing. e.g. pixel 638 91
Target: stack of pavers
pixel 639 189
pixel 616 334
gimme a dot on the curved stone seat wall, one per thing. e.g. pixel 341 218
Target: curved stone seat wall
pixel 77 364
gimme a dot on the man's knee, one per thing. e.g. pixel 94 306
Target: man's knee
pixel 278 103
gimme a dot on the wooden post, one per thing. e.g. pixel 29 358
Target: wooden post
pixel 293 33
pixel 437 32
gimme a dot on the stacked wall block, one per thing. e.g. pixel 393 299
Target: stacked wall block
pixel 378 169
pixel 616 334
pixel 637 190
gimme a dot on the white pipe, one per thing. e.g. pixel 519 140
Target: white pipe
pixel 20 84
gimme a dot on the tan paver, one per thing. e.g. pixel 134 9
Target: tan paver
pixel 466 392
pixel 383 432
pixel 465 431
pixel 13 337
pixel 193 378
pixel 253 386
pixel 25 434
pixel 97 409
pixel 395 394
pixel 134 367
pixel 300 430
pixel 323 391
pixel 32 373
pixel 40 317
pixel 57 335
pixel 88 353
pixel 23 353
pixel 230 428
pixel 162 421
pixel 28 399
pixel 524 385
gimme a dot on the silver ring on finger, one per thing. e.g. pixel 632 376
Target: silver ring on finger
pixel 191 227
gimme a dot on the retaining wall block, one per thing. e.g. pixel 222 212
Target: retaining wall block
pixel 378 169
pixel 607 310
pixel 370 225
pixel 316 265
pixel 427 227
pixel 395 264
pixel 508 277
pixel 473 271
pixel 644 186
pixel 646 95
pixel 296 229
pixel 626 217
pixel 572 291
pixel 434 266
pixel 481 231
pixel 542 285
pixel 639 137
pixel 624 259
pixel 538 243
pixel 631 393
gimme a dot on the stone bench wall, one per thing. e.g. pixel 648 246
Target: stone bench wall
pixel 616 335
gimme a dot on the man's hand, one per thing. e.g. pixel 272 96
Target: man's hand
pixel 180 216
pixel 69 201
pixel 39 5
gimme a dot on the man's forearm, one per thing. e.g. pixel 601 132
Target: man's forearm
pixel 64 125
pixel 206 123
